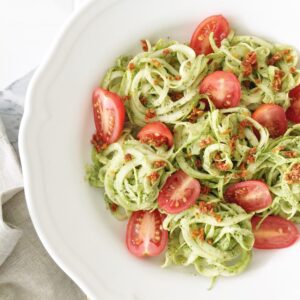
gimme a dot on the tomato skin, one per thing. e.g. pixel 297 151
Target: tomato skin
pixel 271 116
pixel 251 195
pixel 109 115
pixel 274 233
pixel 293 112
pixel 178 193
pixel 144 235
pixel 200 39
pixel 223 89
pixel 157 134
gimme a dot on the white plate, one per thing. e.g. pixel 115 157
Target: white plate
pixel 69 216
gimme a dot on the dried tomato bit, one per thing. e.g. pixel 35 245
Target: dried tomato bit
pixel 208 208
pixel 249 62
pixel 277 82
pixel 205 142
pixel 150 114
pixel 222 166
pixel 156 141
pixel 113 207
pixel 128 157
pixel 131 66
pixel 143 100
pixel 275 58
pixel 210 242
pixel 126 98
pixel 198 233
pixel 153 177
pixel 144 45
pixel 290 154
pixel 198 165
pixel 251 155
pixel 232 142
pixel 293 70
pixel 177 77
pixel 195 114
pixel 175 95
pixel 159 164
pixel 205 190
pixel 244 124
pixel 278 149
pixel 294 175
pixel 155 63
pixel 98 143
pixel 166 51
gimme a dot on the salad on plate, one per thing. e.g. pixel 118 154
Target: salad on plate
pixel 197 145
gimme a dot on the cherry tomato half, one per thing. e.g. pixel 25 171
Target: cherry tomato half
pixel 293 112
pixel 156 134
pixel 223 89
pixel 109 115
pixel 271 116
pixel 251 195
pixel 144 235
pixel 178 193
pixel 200 39
pixel 274 233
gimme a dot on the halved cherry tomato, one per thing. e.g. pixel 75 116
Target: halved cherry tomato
pixel 178 193
pixel 251 195
pixel 274 233
pixel 144 235
pixel 223 89
pixel 271 116
pixel 293 112
pixel 109 115
pixel 200 39
pixel 156 134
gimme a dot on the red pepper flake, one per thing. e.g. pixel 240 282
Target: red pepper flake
pixel 128 157
pixel 153 177
pixel 195 114
pixel 290 154
pixel 113 207
pixel 143 100
pixel 277 82
pixel 155 63
pixel 175 95
pixel 98 143
pixel 248 63
pixel 159 164
pixel 144 45
pixel 294 175
pixel 205 142
pixel 131 66
pixel 166 51
pixel 150 114
pixel 293 70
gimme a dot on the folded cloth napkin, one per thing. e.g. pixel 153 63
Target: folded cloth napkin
pixel 10 184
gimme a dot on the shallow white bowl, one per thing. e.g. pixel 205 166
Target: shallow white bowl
pixel 69 216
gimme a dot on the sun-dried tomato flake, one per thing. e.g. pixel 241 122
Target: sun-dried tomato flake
pixel 150 114
pixel 248 63
pixel 144 45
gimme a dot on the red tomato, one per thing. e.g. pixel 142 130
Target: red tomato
pixel 178 193
pixel 293 112
pixel 223 89
pixel 272 117
pixel 144 235
pixel 200 39
pixel 274 233
pixel 156 134
pixel 251 195
pixel 109 115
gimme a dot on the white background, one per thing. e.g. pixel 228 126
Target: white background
pixel 27 28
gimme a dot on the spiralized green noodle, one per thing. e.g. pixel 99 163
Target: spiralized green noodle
pixel 217 147
pixel 225 247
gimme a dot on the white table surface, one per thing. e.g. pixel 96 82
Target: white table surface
pixel 27 28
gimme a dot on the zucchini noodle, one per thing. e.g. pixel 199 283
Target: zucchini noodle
pixel 215 146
